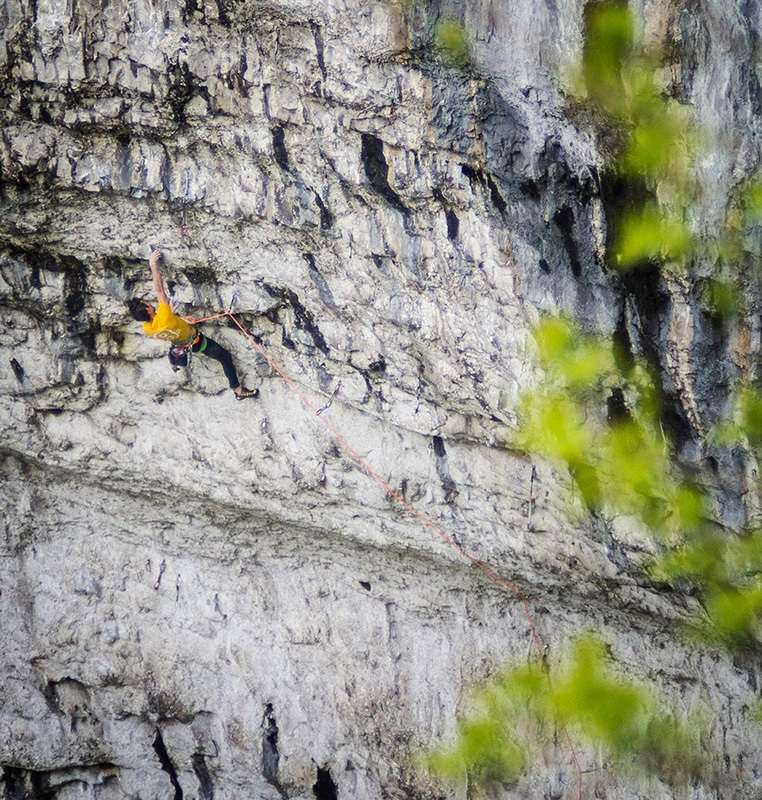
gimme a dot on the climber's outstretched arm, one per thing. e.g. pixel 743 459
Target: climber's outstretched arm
pixel 158 283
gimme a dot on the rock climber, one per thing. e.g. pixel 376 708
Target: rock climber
pixel 162 323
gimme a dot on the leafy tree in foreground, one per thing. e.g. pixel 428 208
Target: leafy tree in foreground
pixel 517 712
pixel 598 415
pixel 620 461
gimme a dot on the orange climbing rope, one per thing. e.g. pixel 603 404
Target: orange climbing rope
pixel 403 502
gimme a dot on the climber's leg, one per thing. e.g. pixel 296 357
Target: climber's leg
pixel 210 348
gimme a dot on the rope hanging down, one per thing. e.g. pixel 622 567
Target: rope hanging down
pixel 490 573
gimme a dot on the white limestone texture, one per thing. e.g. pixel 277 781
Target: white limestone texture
pixel 208 599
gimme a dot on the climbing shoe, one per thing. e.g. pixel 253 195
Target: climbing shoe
pixel 246 393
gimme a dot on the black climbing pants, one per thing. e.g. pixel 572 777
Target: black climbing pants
pixel 209 347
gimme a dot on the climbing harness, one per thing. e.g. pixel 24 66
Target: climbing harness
pixel 432 526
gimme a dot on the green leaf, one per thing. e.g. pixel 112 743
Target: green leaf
pixel 450 38
pixel 690 508
pixel 751 200
pixel 652 146
pixel 648 235
pixel 751 415
pixel 608 41
pixel 520 708
pixel 735 613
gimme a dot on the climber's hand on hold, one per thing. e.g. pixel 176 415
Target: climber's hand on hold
pixel 158 283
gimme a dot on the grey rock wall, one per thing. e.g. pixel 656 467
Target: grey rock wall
pixel 209 599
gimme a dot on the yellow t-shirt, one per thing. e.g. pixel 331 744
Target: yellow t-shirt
pixel 168 327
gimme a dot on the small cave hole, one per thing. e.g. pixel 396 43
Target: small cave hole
pixel 325 788
pixel 279 148
pixel 377 366
pixel 453 224
pixel 616 407
pixel 439 447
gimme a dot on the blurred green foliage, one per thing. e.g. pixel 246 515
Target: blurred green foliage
pixel 721 298
pixel 625 466
pixel 514 714
pixel 727 571
pixel 751 200
pixel 649 235
pixel 654 154
pixel 750 417
pixel 657 146
pixel 598 415
pixel 622 465
pixel 451 39
pixel 608 47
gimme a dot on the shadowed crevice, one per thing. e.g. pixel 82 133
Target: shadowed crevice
pixel 377 171
pixel 166 764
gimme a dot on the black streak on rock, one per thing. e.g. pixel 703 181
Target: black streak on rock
pixel 279 147
pixel 453 224
pixel 497 198
pixel 180 89
pixel 205 786
pixel 377 171
pixel 317 32
pixel 18 370
pixel 616 407
pixel 326 217
pixel 13 780
pixel 270 752
pixel 443 470
pixel 564 219
pixel 166 764
pixel 477 176
pixel 317 278
pixel 303 318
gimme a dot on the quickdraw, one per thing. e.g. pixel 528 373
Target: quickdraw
pixel 183 225
pixel 330 400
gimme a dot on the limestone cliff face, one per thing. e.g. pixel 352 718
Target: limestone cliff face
pixel 209 599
